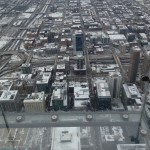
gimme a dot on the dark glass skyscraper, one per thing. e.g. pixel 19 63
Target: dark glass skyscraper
pixel 78 42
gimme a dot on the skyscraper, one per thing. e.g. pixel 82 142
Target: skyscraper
pixel 146 64
pixel 80 63
pixel 134 63
pixel 114 81
pixel 78 42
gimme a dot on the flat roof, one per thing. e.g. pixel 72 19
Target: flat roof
pixel 25 76
pixel 34 97
pixel 102 89
pixel 131 91
pixel 67 138
pixel 5 84
pixel 8 95
pixel 131 146
pixel 44 78
pixel 60 66
pixel 81 93
pixel 116 37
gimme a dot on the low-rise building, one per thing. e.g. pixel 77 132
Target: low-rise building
pixel 131 95
pixel 10 100
pixel 35 102
pixel 66 138
pixel 5 84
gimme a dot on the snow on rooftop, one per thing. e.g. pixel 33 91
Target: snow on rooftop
pixel 131 91
pixel 14 58
pixel 5 84
pixel 8 95
pixel 25 16
pixel 57 94
pixel 116 37
pixel 3 41
pixel 131 146
pixel 60 66
pixel 31 9
pixel 67 138
pixel 81 93
pixel 102 89
pixel 56 15
pixel 34 97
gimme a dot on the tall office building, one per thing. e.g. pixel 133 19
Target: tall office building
pixel 78 42
pixel 134 63
pixel 103 95
pixel 80 62
pixel 114 81
pixel 146 64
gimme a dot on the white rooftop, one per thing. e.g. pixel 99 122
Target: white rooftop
pixel 8 95
pixel 5 84
pixel 61 66
pixel 56 15
pixel 57 94
pixel 35 97
pixel 132 91
pixel 116 37
pixel 81 103
pixel 102 89
pixel 25 76
pixel 66 138
pixel 45 77
pixel 81 93
pixel 131 147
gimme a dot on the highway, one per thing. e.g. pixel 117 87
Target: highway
pixel 13 47
pixel 15 42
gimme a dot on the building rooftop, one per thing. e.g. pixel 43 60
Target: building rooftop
pixel 117 37
pixel 132 91
pixel 26 65
pixel 81 93
pixel 131 147
pixel 25 76
pixel 60 93
pixel 35 97
pixel 78 32
pixel 5 84
pixel 102 89
pixel 61 66
pixel 66 138
pixel 44 77
pixel 8 95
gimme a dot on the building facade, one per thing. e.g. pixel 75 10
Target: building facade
pixel 78 42
pixel 10 100
pixel 133 68
pixel 115 81
pixel 35 102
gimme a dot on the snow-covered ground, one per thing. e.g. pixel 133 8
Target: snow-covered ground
pixel 24 16
pixel 31 9
pixel 3 41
